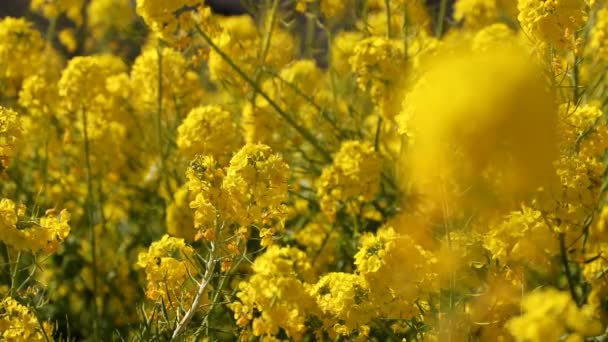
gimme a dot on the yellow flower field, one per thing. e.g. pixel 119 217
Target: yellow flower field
pixel 312 170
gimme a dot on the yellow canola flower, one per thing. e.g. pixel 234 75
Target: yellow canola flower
pixel 26 234
pixel 554 22
pixel 473 148
pixel 342 48
pixel 353 176
pixel 10 131
pixel 580 168
pixel 180 86
pixel 21 48
pixel 170 19
pixel 550 315
pixel 207 130
pixel 204 182
pixel 379 64
pixel 240 40
pixel 19 324
pixel 168 265
pixel 39 95
pixel 344 300
pixel 275 295
pixel 83 82
pixel 598 41
pixel 256 189
pixel 398 271
pixel 522 236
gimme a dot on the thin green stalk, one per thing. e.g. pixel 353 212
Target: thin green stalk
pixel 89 209
pixel 443 6
pixel 406 26
pixel 216 295
pixel 14 274
pixel 269 31
pixel 387 3
pixel 377 138
pixel 566 263
pixel 196 302
pixel 7 258
pixel 29 276
pixel 311 19
pixel 41 325
pixel 575 79
pixel 159 112
pixel 301 130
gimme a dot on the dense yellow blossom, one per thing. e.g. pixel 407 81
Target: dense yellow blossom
pixel 205 178
pixel 21 48
pixel 168 264
pixel 380 170
pixel 275 295
pixel 240 39
pixel 208 130
pixel 256 184
pixel 179 86
pixel 18 323
pixel 259 123
pixel 522 236
pixel 555 22
pixel 395 283
pixel 169 18
pixel 445 119
pixel 10 131
pixel 345 299
pixel 549 315
pixel 24 233
pixel 39 95
pixel 379 65
pixel 353 176
pixel 83 82
pixel 343 47
pixel 599 35
pixel 583 142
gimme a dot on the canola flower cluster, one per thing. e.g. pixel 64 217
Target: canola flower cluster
pixel 341 170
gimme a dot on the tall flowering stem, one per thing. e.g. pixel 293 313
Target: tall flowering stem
pixel 89 209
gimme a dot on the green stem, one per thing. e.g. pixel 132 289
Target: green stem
pixel 269 30
pixel 443 6
pixel 575 79
pixel 89 209
pixel 302 131
pixel 159 111
pixel 378 130
pixel 566 263
pixel 387 3
pixel 311 18
pixel 14 274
